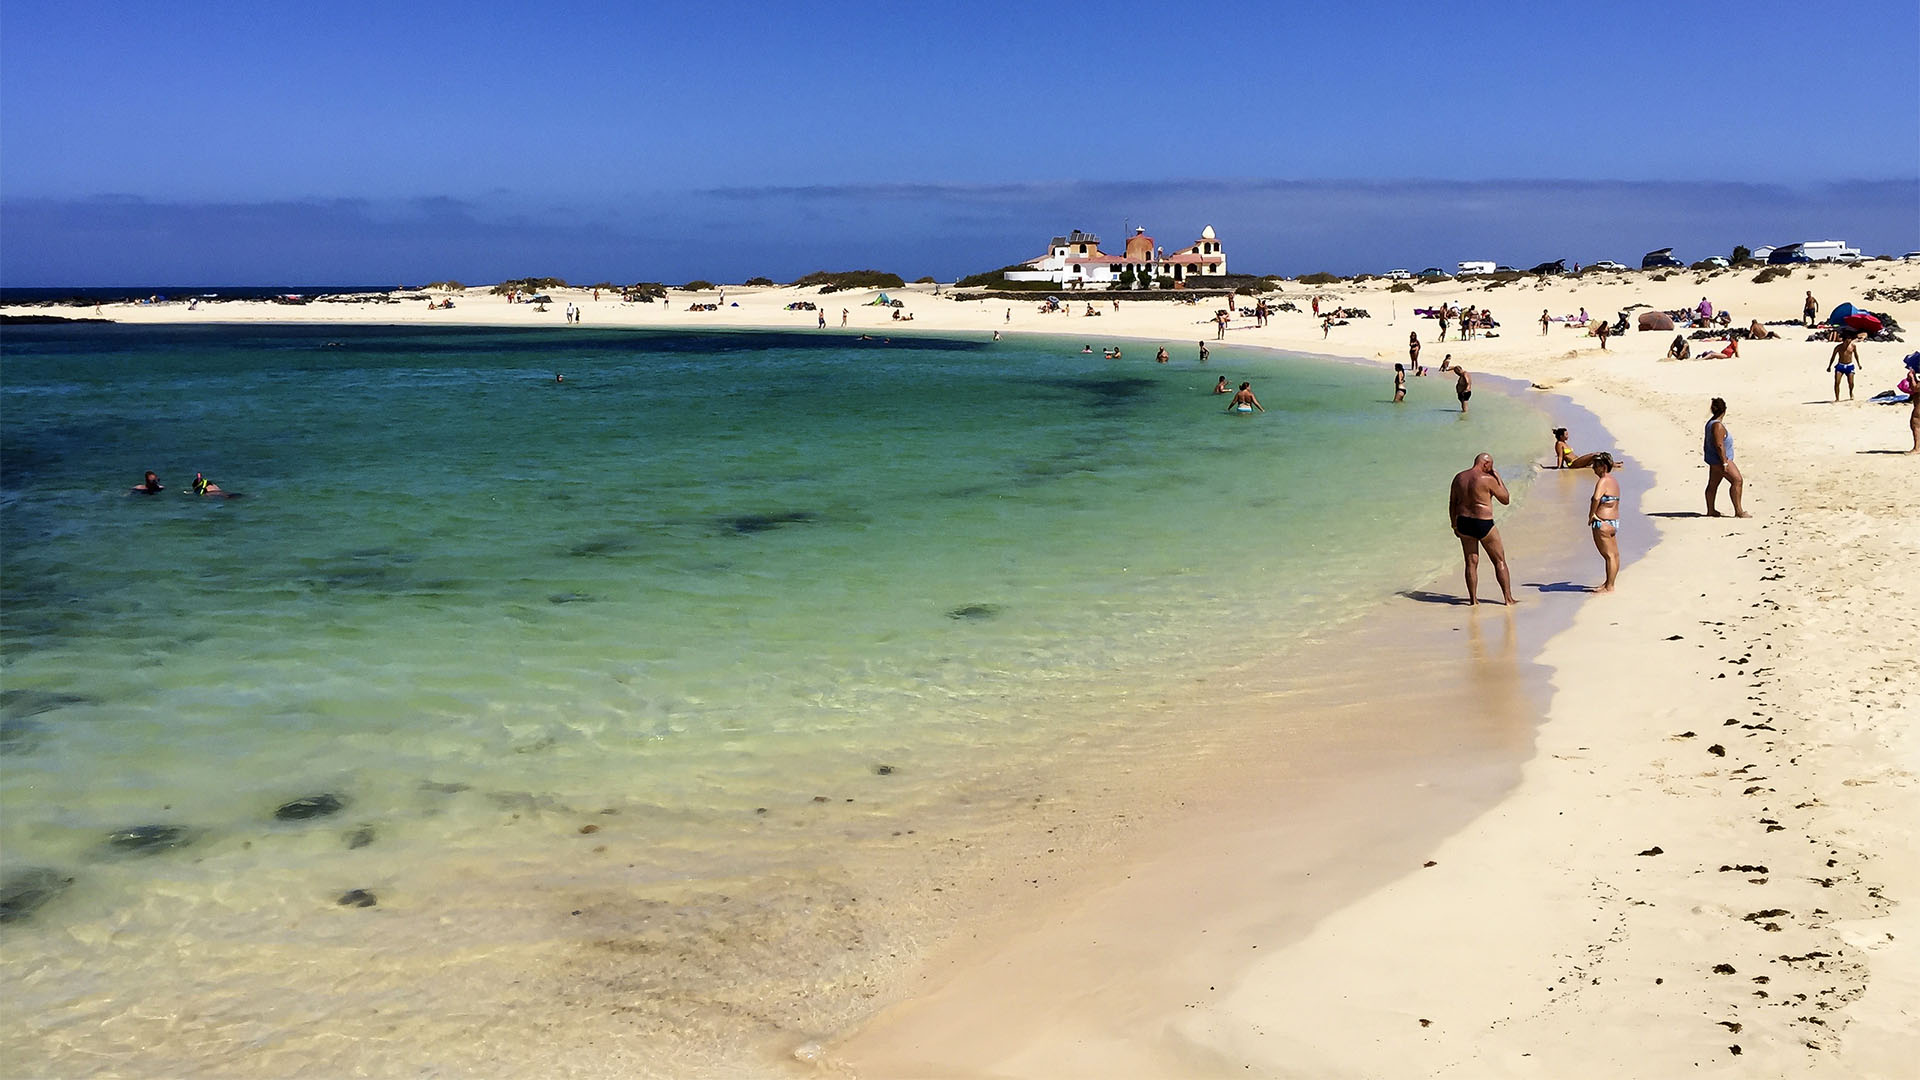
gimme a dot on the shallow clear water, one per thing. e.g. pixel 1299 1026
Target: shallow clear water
pixel 699 583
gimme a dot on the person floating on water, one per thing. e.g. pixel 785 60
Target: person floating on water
pixel 1221 387
pixel 1244 401
pixel 1470 511
pixel 148 485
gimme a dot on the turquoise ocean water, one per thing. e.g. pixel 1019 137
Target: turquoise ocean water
pixel 661 607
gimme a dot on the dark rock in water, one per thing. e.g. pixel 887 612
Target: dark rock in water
pixel 974 611
pixel 570 598
pixel 312 806
pixel 357 898
pixel 883 770
pixel 27 889
pixel 20 736
pixel 17 703
pixel 439 788
pixel 360 837
pixel 749 524
pixel 148 839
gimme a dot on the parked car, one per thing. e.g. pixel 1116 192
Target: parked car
pixel 1505 269
pixel 1791 253
pixel 1911 256
pixel 1847 256
pixel 1606 264
pixel 1399 275
pixel 1711 262
pixel 1660 260
pixel 1557 266
pixel 1433 272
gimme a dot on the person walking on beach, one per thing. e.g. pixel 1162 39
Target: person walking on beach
pixel 1470 512
pixel 843 316
pixel 1810 311
pixel 1220 321
pixel 1844 362
pixel 1445 312
pixel 1718 450
pixel 1413 350
pixel 1603 516
pixel 1316 307
pixel 1545 321
pixel 1462 387
pixel 1009 315
pixel 1602 332
pixel 823 320
pixel 1399 383
pixel 1326 326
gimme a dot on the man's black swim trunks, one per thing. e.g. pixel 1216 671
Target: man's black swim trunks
pixel 1477 528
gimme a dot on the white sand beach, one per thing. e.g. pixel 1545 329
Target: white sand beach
pixel 1708 866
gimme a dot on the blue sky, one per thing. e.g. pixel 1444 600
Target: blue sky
pixel 235 143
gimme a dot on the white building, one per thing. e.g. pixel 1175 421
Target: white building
pixel 1075 261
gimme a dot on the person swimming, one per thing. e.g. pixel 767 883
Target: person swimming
pixel 1221 387
pixel 1244 401
pixel 148 485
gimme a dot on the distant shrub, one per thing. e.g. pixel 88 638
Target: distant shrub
pixel 927 280
pixel 1741 253
pixel 447 286
pixel 1660 277
pixel 698 285
pixel 758 281
pixel 1502 277
pixel 1322 278
pixel 529 285
pixel 1401 286
pixel 608 285
pixel 834 281
pixel 1772 273
pixel 645 291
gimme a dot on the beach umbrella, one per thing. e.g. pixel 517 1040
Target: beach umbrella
pixel 1863 321
pixel 1655 320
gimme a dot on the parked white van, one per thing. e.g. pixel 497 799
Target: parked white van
pixel 1400 274
pixel 1829 251
pixel 1467 268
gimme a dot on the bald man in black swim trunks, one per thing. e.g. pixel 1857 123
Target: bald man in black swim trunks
pixel 1470 512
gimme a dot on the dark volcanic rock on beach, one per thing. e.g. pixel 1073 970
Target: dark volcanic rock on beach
pixel 357 898
pixel 311 806
pixel 27 889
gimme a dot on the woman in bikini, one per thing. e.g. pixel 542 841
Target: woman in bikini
pixel 1603 516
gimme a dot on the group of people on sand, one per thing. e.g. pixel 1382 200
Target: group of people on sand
pixel 1475 489
pixel 150 485
pixel 1473 321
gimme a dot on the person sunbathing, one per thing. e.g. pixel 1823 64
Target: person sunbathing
pixel 1760 333
pixel 1731 351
